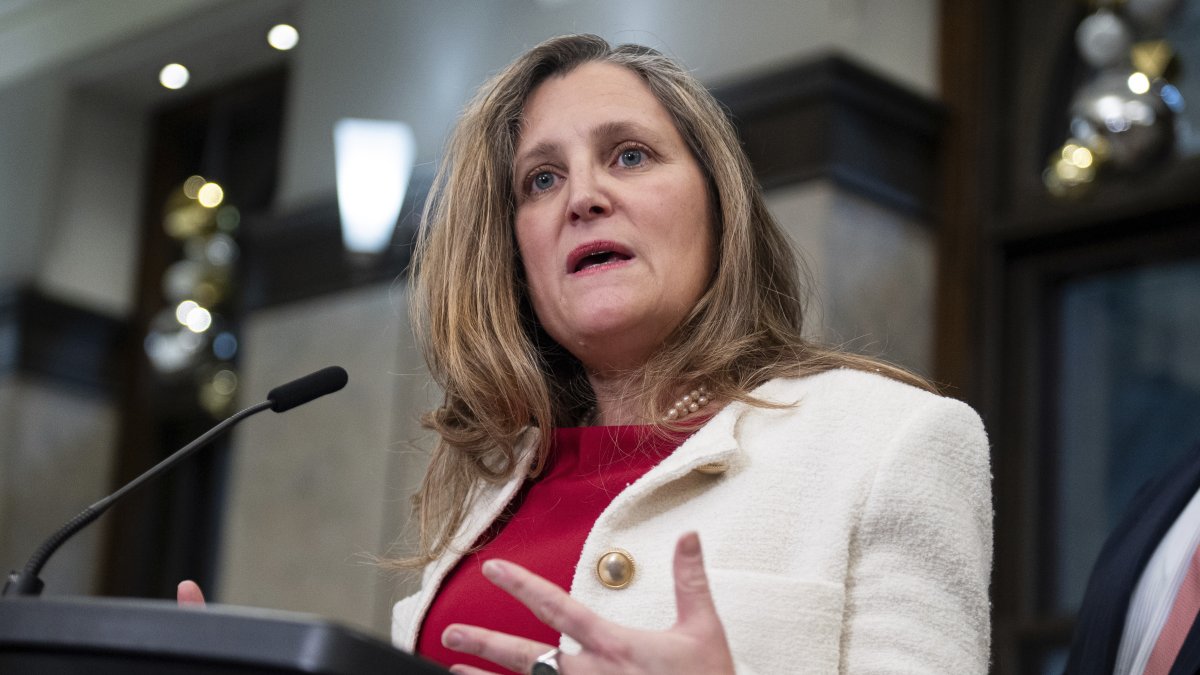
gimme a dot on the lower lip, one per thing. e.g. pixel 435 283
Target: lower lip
pixel 596 269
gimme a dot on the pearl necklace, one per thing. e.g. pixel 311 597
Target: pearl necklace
pixel 687 404
pixel 684 406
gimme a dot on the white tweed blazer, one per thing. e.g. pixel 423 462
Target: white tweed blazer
pixel 848 533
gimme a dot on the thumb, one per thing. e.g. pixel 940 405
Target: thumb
pixel 189 594
pixel 693 599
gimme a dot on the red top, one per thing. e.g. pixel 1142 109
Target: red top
pixel 551 517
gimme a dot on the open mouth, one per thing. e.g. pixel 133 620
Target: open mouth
pixel 596 255
pixel 598 259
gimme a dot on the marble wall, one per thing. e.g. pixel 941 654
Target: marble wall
pixel 317 491
pixel 872 271
pixel 55 460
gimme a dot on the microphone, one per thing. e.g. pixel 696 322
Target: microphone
pixel 281 398
pixel 301 391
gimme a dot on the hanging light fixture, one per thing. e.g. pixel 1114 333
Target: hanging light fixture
pixel 374 161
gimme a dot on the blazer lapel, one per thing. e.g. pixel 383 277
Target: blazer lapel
pixel 1150 514
pixel 486 506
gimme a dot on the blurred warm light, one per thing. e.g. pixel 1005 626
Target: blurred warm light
pixel 198 320
pixel 1077 155
pixel 1067 171
pixel 191 186
pixel 173 76
pixel 184 309
pixel 1139 83
pixel 186 221
pixel 1053 184
pixel 1073 167
pixel 283 37
pixel 225 382
pixel 210 195
pixel 216 392
pixel 374 163
pixel 1081 157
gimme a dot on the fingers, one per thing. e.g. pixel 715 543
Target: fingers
pixel 693 598
pixel 513 653
pixel 188 593
pixel 469 670
pixel 549 603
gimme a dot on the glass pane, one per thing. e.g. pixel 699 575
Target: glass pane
pixel 1183 32
pixel 1128 403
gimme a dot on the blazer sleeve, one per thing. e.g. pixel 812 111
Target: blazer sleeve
pixel 920 559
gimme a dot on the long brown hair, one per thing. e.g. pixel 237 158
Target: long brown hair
pixel 499 370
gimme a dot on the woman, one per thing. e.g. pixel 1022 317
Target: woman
pixel 616 323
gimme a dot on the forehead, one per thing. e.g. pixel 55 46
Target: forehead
pixel 589 95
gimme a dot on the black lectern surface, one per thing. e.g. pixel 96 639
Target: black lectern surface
pixel 101 636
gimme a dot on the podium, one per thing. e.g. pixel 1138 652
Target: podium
pixel 104 636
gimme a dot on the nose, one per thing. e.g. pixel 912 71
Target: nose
pixel 588 197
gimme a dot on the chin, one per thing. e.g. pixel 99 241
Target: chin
pixel 617 333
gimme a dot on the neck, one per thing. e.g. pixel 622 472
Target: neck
pixel 614 405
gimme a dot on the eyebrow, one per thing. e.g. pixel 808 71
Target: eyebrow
pixel 610 131
pixel 607 132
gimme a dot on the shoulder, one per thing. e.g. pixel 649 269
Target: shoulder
pixel 869 404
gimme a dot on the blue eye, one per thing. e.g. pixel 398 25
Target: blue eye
pixel 542 181
pixel 631 157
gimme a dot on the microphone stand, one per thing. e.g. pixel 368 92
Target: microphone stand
pixel 26 582
pixel 281 398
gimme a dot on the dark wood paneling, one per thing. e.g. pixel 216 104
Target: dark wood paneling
pixel 833 118
pixel 60 342
pixel 969 166
pixel 168 530
pixel 1005 247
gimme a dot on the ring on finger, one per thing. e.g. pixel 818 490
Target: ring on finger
pixel 546 664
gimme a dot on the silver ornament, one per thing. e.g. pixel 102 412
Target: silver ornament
pixel 171 347
pixel 1103 39
pixel 1135 127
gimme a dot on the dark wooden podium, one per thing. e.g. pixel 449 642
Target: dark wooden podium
pixel 100 636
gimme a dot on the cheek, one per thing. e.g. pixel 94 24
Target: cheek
pixel 696 231
pixel 536 258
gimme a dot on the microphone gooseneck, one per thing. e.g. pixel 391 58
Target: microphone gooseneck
pixel 284 397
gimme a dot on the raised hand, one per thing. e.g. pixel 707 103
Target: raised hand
pixel 695 644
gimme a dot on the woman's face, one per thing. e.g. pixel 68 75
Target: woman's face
pixel 613 221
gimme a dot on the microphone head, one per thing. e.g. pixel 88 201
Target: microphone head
pixel 302 390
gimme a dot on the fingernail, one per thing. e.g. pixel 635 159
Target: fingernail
pixel 495 570
pixel 690 544
pixel 452 639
